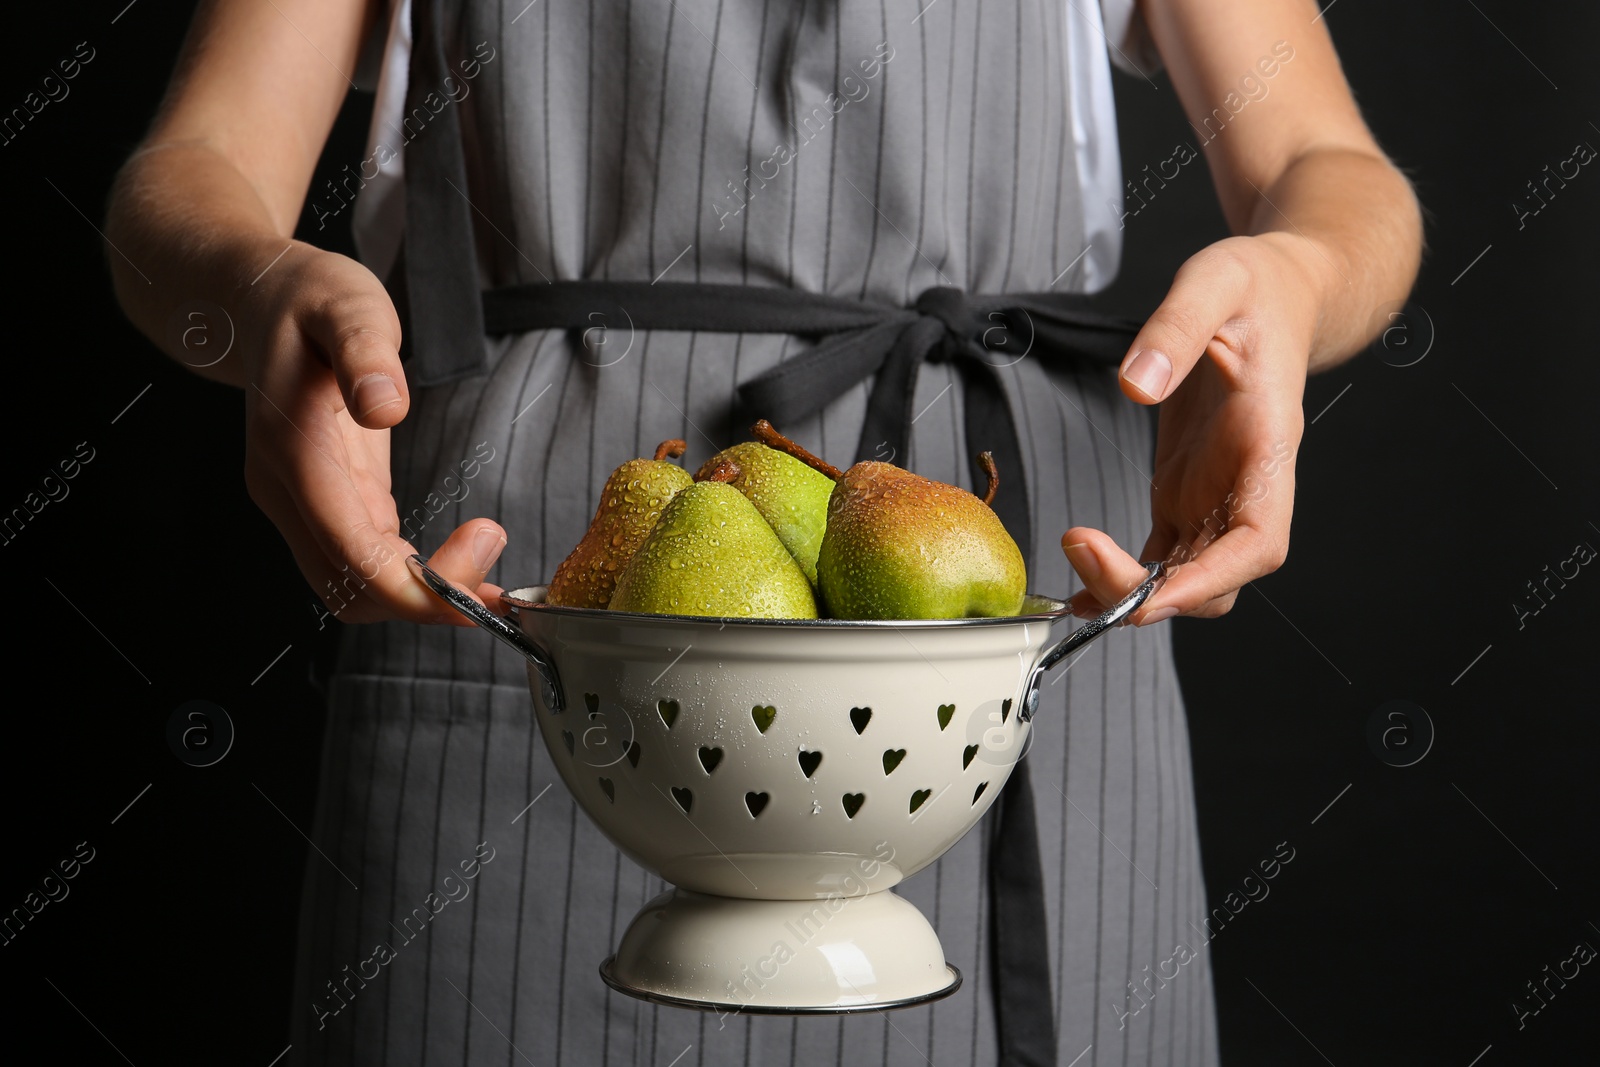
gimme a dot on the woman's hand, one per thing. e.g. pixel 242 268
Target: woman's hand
pixel 321 349
pixel 206 206
pixel 1338 234
pixel 1225 355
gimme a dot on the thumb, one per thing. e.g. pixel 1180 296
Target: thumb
pixel 358 333
pixel 1206 292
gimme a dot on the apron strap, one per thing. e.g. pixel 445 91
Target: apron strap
pixel 1024 1008
pixel 444 330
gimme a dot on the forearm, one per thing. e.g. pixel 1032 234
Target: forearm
pixel 192 228
pixel 1352 223
pixel 211 199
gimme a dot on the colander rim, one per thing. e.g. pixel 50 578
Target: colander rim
pixel 1046 609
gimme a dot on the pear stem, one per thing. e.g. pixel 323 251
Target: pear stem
pixel 726 470
pixel 986 461
pixel 674 448
pixel 768 435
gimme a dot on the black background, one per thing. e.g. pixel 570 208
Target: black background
pixel 1419 902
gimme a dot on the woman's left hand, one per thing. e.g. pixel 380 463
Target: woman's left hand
pixel 1225 355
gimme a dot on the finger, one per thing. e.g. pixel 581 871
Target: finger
pixel 368 566
pixel 346 533
pixel 467 556
pixel 326 467
pixel 314 464
pixel 1206 584
pixel 1213 609
pixel 358 333
pixel 490 594
pixel 1107 572
pixel 1241 539
pixel 1206 293
pixel 339 588
pixel 1163 537
pixel 343 586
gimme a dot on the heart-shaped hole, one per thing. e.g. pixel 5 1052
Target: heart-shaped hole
pixel 852 803
pixel 946 713
pixel 966 756
pixel 1005 710
pixel 568 740
pixel 919 798
pixel 709 758
pixel 892 758
pixel 763 716
pixel 978 792
pixel 668 710
pixel 859 717
pixel 809 762
pixel 592 701
pixel 756 803
pixel 684 798
pixel 609 789
pixel 634 752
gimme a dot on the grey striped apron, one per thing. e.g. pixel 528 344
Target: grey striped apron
pixel 459 905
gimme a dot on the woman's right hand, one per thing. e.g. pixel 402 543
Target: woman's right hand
pixel 204 208
pixel 320 341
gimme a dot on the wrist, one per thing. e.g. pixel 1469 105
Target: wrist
pixel 1293 286
pixel 255 283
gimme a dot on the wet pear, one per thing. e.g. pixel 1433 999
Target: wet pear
pixel 791 496
pixel 899 546
pixel 630 505
pixel 711 553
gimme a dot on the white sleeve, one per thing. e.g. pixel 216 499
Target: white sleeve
pixel 1128 38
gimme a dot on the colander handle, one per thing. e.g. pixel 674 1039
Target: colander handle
pixel 497 626
pixel 1090 630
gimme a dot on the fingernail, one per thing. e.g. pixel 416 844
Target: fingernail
pixel 373 392
pixel 1083 560
pixel 486 548
pixel 1158 615
pixel 1148 372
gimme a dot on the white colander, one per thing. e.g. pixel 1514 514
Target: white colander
pixel 783 774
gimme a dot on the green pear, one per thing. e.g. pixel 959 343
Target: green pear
pixel 630 505
pixel 791 496
pixel 711 553
pixel 899 546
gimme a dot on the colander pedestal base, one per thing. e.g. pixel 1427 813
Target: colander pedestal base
pixel 833 955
